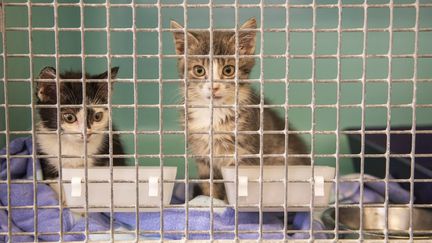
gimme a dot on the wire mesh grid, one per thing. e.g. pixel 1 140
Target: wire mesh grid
pixel 344 72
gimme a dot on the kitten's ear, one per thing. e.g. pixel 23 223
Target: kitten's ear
pixel 47 73
pixel 247 37
pixel 179 39
pixel 102 87
pixel 46 90
pixel 104 75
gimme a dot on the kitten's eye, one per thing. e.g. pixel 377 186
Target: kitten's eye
pixel 69 118
pixel 199 70
pixel 228 70
pixel 98 116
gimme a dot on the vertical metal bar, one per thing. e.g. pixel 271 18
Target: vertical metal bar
pixel 211 117
pixel 287 86
pixel 161 164
pixel 58 107
pixel 84 106
pixel 261 127
pixel 186 110
pixel 414 121
pixel 136 100
pixel 338 94
pixel 7 127
pixel 110 123
pixel 363 120
pixel 33 127
pixel 388 121
pixel 313 120
pixel 236 104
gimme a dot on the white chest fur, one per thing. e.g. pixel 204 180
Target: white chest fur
pixel 200 117
pixel 70 147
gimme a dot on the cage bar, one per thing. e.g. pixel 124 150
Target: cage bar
pixel 413 128
pixel 363 113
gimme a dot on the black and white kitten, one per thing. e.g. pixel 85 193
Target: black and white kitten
pixel 73 124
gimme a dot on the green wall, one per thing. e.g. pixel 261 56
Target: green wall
pixel 274 43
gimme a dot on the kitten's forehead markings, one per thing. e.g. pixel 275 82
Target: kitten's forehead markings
pixel 80 119
pixel 215 70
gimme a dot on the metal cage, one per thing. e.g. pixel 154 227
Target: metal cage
pixel 353 76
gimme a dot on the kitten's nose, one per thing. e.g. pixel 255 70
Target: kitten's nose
pixel 89 134
pixel 216 88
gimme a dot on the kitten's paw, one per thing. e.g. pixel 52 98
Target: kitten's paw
pixel 56 189
pixel 218 191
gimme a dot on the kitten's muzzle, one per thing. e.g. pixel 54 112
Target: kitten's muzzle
pixel 215 96
pixel 214 92
pixel 89 135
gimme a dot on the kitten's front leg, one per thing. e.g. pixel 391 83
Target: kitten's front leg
pixel 204 174
pixel 218 190
pixel 56 189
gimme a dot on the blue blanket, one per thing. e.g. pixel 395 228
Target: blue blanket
pixel 48 220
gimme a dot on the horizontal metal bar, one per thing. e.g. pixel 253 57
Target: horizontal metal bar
pixel 198 207
pixel 224 5
pixel 126 80
pixel 273 56
pixel 168 232
pixel 98 181
pixel 231 106
pixel 180 132
pixel 276 30
pixel 245 156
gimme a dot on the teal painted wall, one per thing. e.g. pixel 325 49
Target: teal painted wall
pixel 274 43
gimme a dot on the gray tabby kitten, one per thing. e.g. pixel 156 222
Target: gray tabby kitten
pixel 200 92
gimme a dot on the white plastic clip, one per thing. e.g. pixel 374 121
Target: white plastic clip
pixel 153 189
pixel 319 186
pixel 243 186
pixel 76 187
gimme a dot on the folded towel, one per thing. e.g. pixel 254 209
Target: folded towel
pixel 373 192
